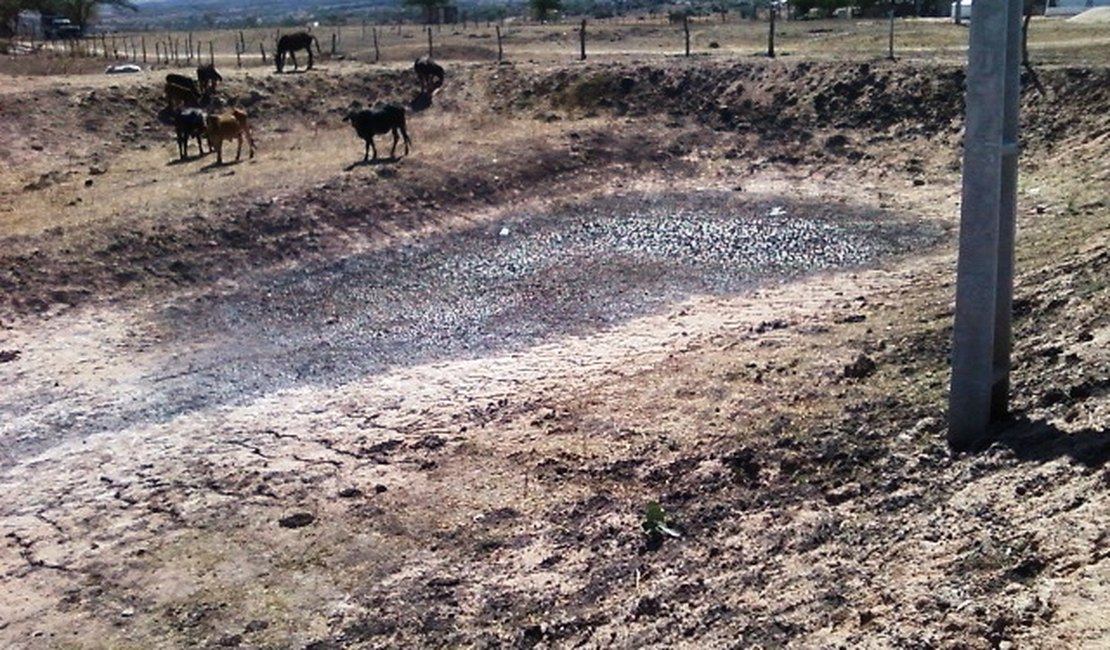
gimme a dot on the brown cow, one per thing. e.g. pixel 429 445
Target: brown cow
pixel 228 125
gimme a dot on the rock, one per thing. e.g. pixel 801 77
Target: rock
pixel 862 367
pixel 648 606
pixel 842 493
pixel 350 493
pixel 297 520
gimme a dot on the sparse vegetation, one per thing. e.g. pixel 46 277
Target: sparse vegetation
pixel 294 403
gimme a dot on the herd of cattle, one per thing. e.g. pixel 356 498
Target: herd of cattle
pixel 190 102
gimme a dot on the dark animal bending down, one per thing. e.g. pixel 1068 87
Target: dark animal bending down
pixel 179 94
pixel 183 81
pixel 369 123
pixel 189 123
pixel 429 73
pixel 208 77
pixel 225 126
pixel 290 43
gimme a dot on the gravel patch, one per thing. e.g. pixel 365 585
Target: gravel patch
pixel 529 278
pixel 526 279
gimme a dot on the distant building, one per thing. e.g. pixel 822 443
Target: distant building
pixel 1054 8
pixel 55 27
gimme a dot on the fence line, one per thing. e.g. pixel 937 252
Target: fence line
pixel 396 41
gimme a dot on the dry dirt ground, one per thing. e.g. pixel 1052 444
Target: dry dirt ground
pixel 215 436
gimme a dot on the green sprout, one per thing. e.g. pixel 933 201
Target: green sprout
pixel 655 523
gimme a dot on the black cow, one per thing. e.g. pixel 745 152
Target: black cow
pixel 429 73
pixel 184 82
pixel 289 43
pixel 208 77
pixel 189 123
pixel 371 122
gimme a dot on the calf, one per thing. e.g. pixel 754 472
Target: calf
pixel 371 122
pixel 189 123
pixel 228 125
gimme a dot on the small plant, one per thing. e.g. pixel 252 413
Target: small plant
pixel 655 524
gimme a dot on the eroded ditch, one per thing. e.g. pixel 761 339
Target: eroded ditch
pixel 498 287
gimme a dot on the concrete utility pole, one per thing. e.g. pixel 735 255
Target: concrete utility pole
pixel 985 270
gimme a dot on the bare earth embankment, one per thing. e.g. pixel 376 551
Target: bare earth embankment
pixel 300 403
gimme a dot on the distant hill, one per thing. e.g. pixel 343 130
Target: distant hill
pixel 200 14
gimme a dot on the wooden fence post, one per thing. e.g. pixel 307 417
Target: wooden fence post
pixel 686 29
pixel 499 44
pixel 334 38
pixel 262 48
pixel 771 34
pixel 211 54
pixel 429 41
pixel 377 52
pixel 890 52
pixel 582 39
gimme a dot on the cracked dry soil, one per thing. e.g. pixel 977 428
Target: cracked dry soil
pixel 425 404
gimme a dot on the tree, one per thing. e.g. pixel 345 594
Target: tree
pixel 10 10
pixel 82 12
pixel 541 9
pixel 9 15
pixel 429 7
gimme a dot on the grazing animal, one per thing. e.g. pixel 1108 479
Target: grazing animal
pixel 208 77
pixel 290 43
pixel 429 73
pixel 189 123
pixel 183 81
pixel 225 126
pixel 178 95
pixel 371 122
